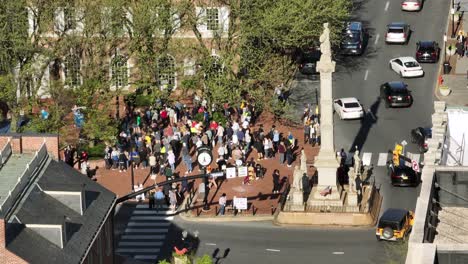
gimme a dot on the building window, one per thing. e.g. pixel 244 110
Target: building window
pixel 166 72
pixel 212 19
pixel 119 72
pixel 69 18
pixel 72 71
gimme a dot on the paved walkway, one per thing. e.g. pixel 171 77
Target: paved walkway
pixel 457 80
pixel 259 194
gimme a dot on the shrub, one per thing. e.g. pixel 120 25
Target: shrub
pixel 219 118
pixel 96 151
pixel 143 100
pixel 198 117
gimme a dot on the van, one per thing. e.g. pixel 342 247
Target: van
pixel 352 42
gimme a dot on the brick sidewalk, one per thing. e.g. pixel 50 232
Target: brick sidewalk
pixel 259 194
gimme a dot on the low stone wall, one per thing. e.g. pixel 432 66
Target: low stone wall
pixel 324 219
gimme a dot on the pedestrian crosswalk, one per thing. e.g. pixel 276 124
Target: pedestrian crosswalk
pixel 380 159
pixel 145 233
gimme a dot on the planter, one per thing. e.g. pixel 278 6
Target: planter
pixel 450 50
pixel 444 90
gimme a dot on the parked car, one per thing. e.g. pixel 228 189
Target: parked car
pixel 419 137
pixel 427 51
pixel 397 32
pixel 406 67
pixel 411 5
pixel 394 224
pixel 353 39
pixel 308 62
pixel 403 175
pixel 396 94
pixel 348 108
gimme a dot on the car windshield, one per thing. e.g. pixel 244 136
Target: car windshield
pixel 392 225
pixel 395 30
pixel 351 36
pixel 426 49
pixel 399 91
pixel 411 64
pixel 352 105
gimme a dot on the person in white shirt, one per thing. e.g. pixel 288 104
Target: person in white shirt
pixel 220 134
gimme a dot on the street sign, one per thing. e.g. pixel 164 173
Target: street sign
pixel 415 165
pixel 231 172
pixel 217 174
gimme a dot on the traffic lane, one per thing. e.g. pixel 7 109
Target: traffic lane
pixel 279 244
pixel 379 72
pixel 393 196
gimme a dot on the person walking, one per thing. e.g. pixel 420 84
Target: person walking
pixel 159 198
pixel 316 129
pixel 222 204
pixel 276 181
pixel 171 159
pixel 151 199
pixel 289 155
pixel 172 200
pixel 123 158
pixel 282 152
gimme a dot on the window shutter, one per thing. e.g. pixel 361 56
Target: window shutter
pixel 201 19
pixel 176 21
pixel 79 18
pixel 59 20
pixel 45 81
pixel 224 18
pixel 189 67
pixel 129 22
pixel 32 20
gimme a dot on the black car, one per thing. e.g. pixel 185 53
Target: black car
pixel 353 39
pixel 403 175
pixel 419 137
pixel 396 94
pixel 427 51
pixel 308 62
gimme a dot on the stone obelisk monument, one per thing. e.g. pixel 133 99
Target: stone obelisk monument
pixel 326 163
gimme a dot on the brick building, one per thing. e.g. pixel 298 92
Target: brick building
pixel 204 22
pixel 49 212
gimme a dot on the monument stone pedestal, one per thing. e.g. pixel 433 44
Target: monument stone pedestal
pixel 296 201
pixel 352 198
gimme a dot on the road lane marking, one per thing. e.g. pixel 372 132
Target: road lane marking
pixel 386 6
pixel 338 253
pixel 382 159
pixel 210 244
pixel 273 250
pixel 365 75
pixel 376 39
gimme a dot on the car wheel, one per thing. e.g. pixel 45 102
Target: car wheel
pixel 390 66
pixel 387 104
pixel 378 238
pixel 401 74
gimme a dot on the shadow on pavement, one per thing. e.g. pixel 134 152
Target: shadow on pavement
pixel 370 118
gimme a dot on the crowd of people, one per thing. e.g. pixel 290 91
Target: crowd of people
pixel 166 135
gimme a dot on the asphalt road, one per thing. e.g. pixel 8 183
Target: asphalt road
pixel 361 77
pixel 264 243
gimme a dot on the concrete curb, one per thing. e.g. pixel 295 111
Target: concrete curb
pixel 225 218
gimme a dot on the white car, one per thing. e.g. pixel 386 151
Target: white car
pixel 348 108
pixel 411 5
pixel 397 32
pixel 406 67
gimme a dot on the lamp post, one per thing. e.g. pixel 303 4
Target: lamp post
pixel 132 175
pixel 452 11
pixel 445 47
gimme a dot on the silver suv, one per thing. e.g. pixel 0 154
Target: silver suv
pixel 397 32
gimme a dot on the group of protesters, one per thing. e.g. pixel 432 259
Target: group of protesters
pixel 164 135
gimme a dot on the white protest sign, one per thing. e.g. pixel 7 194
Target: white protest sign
pixel 240 203
pixel 242 171
pixel 230 173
